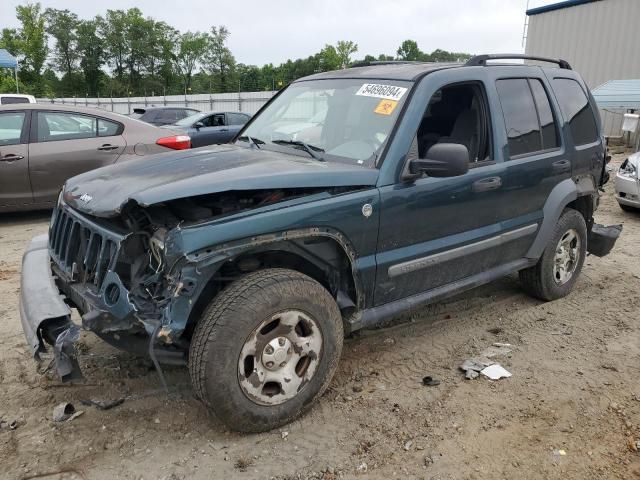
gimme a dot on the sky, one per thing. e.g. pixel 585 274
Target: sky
pixel 277 30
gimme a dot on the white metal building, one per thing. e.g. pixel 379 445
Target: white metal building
pixel 599 38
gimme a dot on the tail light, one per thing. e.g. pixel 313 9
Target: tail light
pixel 176 142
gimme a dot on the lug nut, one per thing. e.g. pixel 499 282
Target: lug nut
pixel 283 364
pixel 281 341
pixel 269 364
pixel 269 349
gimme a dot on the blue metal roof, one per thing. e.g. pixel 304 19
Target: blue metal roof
pixel 557 6
pixel 621 94
pixel 7 60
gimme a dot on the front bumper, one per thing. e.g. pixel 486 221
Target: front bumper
pixel 627 190
pixel 45 316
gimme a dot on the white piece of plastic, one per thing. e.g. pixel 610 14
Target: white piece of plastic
pixel 630 122
pixel 495 372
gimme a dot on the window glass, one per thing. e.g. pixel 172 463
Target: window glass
pixel 521 120
pixel 547 124
pixel 217 120
pixel 576 110
pixel 54 126
pixel 237 118
pixel 13 100
pixel 11 127
pixel 107 128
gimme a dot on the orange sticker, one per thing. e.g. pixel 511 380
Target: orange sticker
pixel 386 107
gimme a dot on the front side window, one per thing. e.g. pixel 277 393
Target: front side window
pixel 11 127
pixel 576 110
pixel 457 114
pixel 53 126
pixel 346 120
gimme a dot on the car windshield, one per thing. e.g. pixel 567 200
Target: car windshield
pixel 190 120
pixel 346 120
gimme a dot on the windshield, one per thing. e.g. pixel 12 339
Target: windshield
pixel 346 120
pixel 190 120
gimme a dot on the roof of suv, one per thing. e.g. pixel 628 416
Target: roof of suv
pixel 400 70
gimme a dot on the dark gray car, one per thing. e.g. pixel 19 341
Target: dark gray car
pixel 41 146
pixel 209 128
pixel 160 116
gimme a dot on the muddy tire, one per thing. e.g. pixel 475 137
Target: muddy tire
pixel 559 266
pixel 265 349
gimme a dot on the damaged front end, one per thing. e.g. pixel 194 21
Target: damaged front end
pixel 127 275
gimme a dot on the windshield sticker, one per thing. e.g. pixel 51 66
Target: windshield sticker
pixel 386 107
pixel 389 92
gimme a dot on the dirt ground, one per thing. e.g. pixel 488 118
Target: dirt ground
pixel 571 410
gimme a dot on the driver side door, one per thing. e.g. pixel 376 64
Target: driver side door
pixel 434 231
pixel 213 131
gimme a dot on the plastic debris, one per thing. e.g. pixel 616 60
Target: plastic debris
pixel 495 372
pixel 559 453
pixel 65 412
pixel 103 404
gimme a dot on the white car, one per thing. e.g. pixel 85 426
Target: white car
pixel 11 98
pixel 627 184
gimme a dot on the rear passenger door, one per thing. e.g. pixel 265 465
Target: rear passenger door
pixel 235 121
pixel 15 188
pixel 65 144
pixel 536 159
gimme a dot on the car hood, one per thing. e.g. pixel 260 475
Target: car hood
pixel 170 176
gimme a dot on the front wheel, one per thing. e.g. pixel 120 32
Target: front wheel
pixel 559 266
pixel 265 348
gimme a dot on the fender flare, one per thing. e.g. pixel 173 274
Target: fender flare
pixel 562 195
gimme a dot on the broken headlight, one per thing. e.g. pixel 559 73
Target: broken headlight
pixel 627 169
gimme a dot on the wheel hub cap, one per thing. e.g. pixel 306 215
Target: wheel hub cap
pixel 279 358
pixel 566 258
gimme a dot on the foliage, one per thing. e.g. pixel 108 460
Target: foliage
pixel 125 53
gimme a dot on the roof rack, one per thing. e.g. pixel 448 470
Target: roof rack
pixel 366 63
pixel 481 60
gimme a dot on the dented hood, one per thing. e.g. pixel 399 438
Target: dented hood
pixel 164 177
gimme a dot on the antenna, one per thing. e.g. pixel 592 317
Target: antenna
pixel 525 28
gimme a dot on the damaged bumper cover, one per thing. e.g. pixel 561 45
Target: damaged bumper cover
pixel 44 315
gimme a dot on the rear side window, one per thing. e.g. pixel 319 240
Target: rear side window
pixel 237 118
pixel 576 110
pixel 11 127
pixel 520 118
pixel 12 100
pixel 107 128
pixel 527 115
pixel 548 128
pixel 53 126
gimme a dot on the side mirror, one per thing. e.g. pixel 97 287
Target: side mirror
pixel 443 160
pixel 198 125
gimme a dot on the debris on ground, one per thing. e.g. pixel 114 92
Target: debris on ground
pixel 430 381
pixel 559 453
pixel 284 435
pixel 495 372
pixel 65 412
pixel 103 404
pixel 476 365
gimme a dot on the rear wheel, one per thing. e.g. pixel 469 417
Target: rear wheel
pixel 561 262
pixel 265 349
pixel 628 208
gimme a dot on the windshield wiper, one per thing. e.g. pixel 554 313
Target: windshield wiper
pixel 252 141
pixel 310 149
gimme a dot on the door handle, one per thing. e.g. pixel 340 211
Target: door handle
pixel 107 147
pixel 486 184
pixel 11 157
pixel 561 166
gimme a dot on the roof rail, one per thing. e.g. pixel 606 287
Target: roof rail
pixel 481 60
pixel 366 63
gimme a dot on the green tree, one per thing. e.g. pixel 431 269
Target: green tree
pixel 91 52
pixel 218 58
pixel 32 45
pixel 190 49
pixel 345 49
pixel 329 59
pixel 409 51
pixel 62 25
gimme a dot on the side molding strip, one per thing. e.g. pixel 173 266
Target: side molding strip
pixel 424 262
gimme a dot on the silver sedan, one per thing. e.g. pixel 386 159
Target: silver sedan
pixel 627 183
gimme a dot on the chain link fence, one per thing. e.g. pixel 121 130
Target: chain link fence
pixel 246 102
